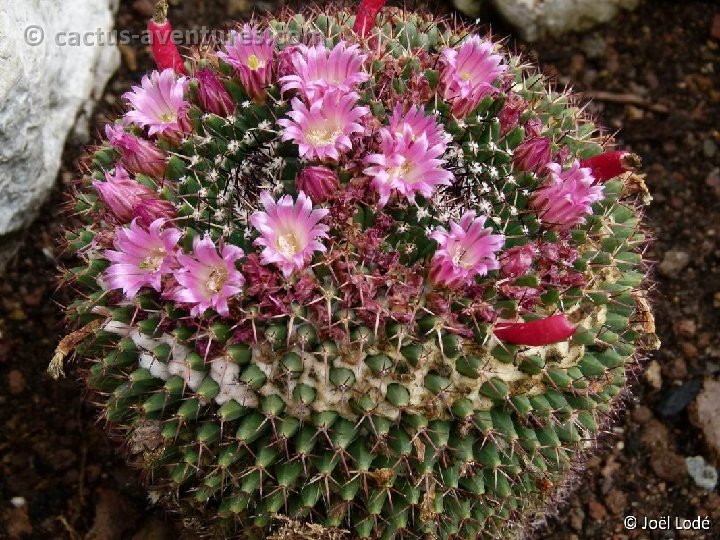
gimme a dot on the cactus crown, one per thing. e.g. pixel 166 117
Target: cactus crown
pixel 365 283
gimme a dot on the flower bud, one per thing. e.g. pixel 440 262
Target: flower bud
pixel 214 97
pixel 148 210
pixel 121 194
pixel 138 155
pixel 533 154
pixel 319 183
pixel 509 115
pixel 517 260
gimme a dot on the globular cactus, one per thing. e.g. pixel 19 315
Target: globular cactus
pixel 383 284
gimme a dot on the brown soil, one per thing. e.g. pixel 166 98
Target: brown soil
pixel 66 480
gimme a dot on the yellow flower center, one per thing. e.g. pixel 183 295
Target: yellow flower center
pixel 255 63
pixel 458 259
pixel 324 135
pixel 217 278
pixel 154 260
pixel 399 172
pixel 288 245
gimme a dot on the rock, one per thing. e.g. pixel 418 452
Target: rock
pixel 709 148
pixel 17 523
pixel 653 375
pixel 673 263
pixel 534 19
pixel 112 517
pixel 16 382
pixel 678 397
pixel 704 414
pixel 594 46
pixel 616 501
pixel 704 475
pixel 577 517
pixel 668 465
pixel 686 328
pixel 655 435
pixel 236 8
pixel 715 28
pixel 47 87
pixel 596 510
pixel 154 529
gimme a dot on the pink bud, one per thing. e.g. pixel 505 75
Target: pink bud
pixel 213 96
pixel 138 155
pixel 533 154
pixel 517 261
pixel 148 210
pixel 514 106
pixel 121 194
pixel 319 183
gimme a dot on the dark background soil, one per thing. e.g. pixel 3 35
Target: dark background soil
pixel 60 477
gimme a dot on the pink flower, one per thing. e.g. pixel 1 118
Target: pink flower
pixel 141 257
pixel 517 260
pixel 213 96
pixel 159 103
pixel 251 53
pixel 566 196
pixel 407 166
pixel 467 251
pixel 122 194
pixel 323 131
pixel 208 279
pixel 467 74
pixel 289 231
pixel 416 123
pixel 318 182
pixel 317 69
pixel 138 155
pixel 533 154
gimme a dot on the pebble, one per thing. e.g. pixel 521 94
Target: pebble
pixel 668 465
pixel 673 263
pixel 678 398
pixel 709 148
pixel 704 413
pixel 653 375
pixel 715 28
pixel 597 511
pixel 16 382
pixel 593 46
pixel 686 328
pixel 703 474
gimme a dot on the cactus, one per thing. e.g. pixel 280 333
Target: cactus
pixel 364 285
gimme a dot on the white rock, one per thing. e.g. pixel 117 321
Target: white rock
pixel 45 90
pixel 703 474
pixel 534 19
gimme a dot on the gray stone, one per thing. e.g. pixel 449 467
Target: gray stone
pixel 703 474
pixel 673 263
pixel 47 87
pixel 534 19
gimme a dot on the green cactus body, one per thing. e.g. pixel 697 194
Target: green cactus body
pixel 358 394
